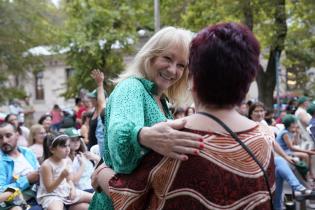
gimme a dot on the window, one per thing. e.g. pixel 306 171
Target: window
pixel 69 73
pixel 39 85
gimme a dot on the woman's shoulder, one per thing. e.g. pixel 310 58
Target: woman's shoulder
pixel 129 86
pixel 133 82
pixel 204 124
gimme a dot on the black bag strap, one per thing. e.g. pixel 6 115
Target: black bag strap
pixel 234 135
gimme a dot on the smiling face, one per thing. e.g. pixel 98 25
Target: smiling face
pixel 258 114
pixel 167 68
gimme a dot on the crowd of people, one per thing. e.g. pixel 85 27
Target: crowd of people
pixel 44 168
pixel 125 151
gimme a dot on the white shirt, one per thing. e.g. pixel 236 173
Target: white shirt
pixel 21 166
pixel 301 113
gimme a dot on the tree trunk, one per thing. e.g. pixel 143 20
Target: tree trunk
pixel 266 80
pixel 248 14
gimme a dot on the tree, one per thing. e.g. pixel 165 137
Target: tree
pixel 98 34
pixel 266 89
pixel 266 18
pixel 89 22
pixel 23 24
pixel 300 45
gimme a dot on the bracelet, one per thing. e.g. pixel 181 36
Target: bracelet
pixel 13 195
pixel 101 170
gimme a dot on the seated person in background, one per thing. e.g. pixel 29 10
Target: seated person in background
pixel 243 108
pixel 45 120
pixel 83 161
pixel 283 171
pixel 22 130
pixel 36 139
pixel 84 130
pixel 56 188
pixel 18 165
pixel 287 139
pixel 311 111
pixel 301 113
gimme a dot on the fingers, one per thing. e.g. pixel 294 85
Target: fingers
pixel 186 151
pixel 177 124
pixel 188 145
pixel 187 138
pixel 178 156
pixel 97 74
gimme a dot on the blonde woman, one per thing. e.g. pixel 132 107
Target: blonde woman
pixel 137 110
pixel 36 139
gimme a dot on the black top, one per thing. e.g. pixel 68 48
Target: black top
pixel 92 130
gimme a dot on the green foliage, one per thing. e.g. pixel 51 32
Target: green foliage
pixel 9 92
pixel 300 43
pixel 265 18
pixel 23 24
pixel 92 29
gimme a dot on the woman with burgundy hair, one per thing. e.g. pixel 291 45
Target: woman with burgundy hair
pixel 230 172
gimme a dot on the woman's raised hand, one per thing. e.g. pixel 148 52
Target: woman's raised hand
pixel 98 76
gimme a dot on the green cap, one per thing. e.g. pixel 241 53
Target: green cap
pixel 288 119
pixel 92 94
pixel 302 99
pixel 311 109
pixel 72 132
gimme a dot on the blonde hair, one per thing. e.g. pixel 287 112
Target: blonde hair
pixel 34 129
pixel 157 44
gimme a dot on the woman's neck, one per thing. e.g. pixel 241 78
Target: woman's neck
pixel 40 142
pixel 218 111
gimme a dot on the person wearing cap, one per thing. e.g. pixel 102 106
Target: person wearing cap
pixel 287 139
pixel 311 110
pixel 82 161
pixel 301 112
pixel 311 127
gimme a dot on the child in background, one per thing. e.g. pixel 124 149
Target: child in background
pixel 81 161
pixel 56 187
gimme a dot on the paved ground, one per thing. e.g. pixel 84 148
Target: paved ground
pixel 310 204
